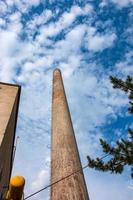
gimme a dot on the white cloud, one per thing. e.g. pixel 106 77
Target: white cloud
pixel 107 186
pixel 38 20
pixel 22 5
pixel 103 3
pixel 125 67
pixel 10 2
pixel 119 4
pixel 3 7
pixel 9 46
pixel 122 3
pixel 87 9
pixel 14 51
pixel 8 41
pixel 41 180
pixel 64 22
pixel 54 28
pixel 15 16
pixel 33 2
pixel 71 44
pixel 68 17
pixel 2 22
pixel 99 42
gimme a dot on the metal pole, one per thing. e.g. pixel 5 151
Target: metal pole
pixel 16 188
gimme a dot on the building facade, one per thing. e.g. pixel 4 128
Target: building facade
pixel 9 101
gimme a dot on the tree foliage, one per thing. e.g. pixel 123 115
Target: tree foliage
pixel 121 154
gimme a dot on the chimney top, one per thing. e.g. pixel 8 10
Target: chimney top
pixel 57 71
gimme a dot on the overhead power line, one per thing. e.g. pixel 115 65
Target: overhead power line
pixel 56 182
pixel 48 186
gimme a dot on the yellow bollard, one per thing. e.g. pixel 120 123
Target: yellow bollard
pixel 16 188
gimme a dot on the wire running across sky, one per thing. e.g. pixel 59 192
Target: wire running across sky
pixel 48 186
pixel 66 177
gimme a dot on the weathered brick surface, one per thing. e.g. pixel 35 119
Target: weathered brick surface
pixel 9 97
pixel 65 156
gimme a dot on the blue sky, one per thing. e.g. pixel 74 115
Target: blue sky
pixel 88 41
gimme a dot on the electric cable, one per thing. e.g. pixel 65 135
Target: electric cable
pixel 55 182
pixel 48 186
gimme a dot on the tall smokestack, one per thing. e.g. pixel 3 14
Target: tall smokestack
pixel 65 155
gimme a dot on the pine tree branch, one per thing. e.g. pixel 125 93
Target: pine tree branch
pixel 121 83
pixel 121 154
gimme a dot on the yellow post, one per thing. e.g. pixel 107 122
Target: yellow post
pixel 16 188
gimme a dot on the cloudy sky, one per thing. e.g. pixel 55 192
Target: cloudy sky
pixel 88 41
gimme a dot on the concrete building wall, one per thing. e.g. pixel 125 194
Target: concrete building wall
pixel 65 156
pixel 9 100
